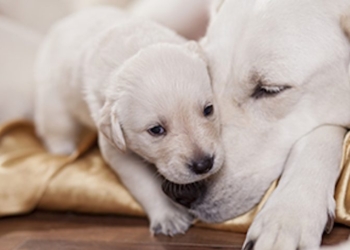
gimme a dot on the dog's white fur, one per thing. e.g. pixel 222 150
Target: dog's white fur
pixel 300 48
pixel 101 69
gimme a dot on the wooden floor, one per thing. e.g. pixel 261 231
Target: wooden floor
pixel 66 231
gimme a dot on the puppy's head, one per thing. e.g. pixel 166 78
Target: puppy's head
pixel 161 107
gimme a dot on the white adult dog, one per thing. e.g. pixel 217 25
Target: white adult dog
pixel 147 92
pixel 280 72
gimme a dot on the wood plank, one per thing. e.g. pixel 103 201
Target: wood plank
pixel 68 231
pixel 71 245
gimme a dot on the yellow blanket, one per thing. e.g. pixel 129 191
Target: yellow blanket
pixel 30 178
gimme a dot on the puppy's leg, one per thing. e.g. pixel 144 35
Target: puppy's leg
pixel 302 206
pixel 165 217
pixel 54 124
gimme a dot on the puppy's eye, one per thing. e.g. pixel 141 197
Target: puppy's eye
pixel 262 91
pixel 157 131
pixel 208 110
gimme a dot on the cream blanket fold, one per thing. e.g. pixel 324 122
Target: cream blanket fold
pixel 31 178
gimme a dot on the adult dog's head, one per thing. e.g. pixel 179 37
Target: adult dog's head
pixel 161 106
pixel 280 70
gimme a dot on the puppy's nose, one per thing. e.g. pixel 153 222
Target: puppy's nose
pixel 185 195
pixel 202 166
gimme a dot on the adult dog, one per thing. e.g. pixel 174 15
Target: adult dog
pixel 145 90
pixel 280 72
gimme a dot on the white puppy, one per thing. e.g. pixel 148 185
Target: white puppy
pixel 146 91
pixel 280 74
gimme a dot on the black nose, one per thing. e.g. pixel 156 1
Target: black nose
pixel 202 166
pixel 185 195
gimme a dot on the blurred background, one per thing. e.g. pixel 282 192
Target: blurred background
pixel 24 23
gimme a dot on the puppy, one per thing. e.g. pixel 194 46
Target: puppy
pixel 148 94
pixel 280 73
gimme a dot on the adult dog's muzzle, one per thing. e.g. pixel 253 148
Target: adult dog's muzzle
pixel 185 194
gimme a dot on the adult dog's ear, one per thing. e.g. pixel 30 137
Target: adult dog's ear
pixel 110 127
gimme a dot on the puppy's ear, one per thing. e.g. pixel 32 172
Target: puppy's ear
pixel 197 49
pixel 110 127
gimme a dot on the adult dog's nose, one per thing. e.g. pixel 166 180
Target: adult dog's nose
pixel 186 194
pixel 202 166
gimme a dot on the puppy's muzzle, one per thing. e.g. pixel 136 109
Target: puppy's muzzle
pixel 185 195
pixel 203 165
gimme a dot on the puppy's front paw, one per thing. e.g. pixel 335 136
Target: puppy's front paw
pixel 287 228
pixel 171 221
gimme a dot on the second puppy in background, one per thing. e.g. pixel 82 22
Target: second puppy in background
pixel 188 18
pixel 147 92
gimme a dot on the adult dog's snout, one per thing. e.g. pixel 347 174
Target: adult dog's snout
pixel 185 195
pixel 203 165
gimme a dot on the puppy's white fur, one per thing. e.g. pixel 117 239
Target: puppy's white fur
pixel 101 69
pixel 301 48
